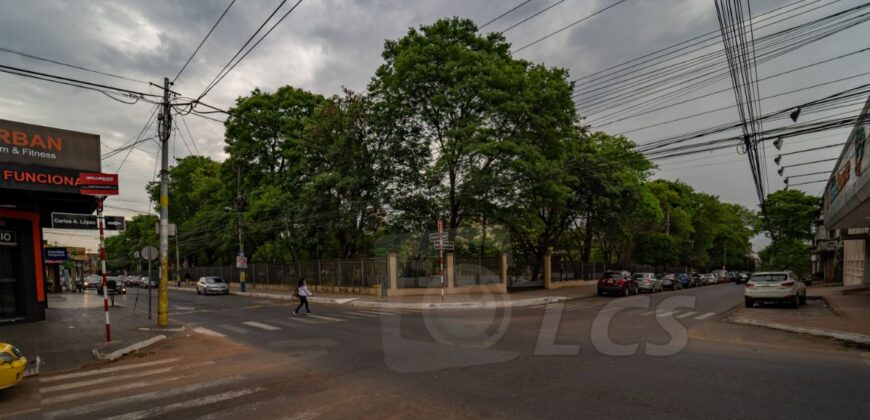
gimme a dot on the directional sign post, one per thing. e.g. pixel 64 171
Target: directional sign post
pixel 85 222
pixel 439 240
pixel 150 254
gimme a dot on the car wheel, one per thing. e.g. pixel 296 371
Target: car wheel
pixel 804 299
pixel 627 292
pixel 600 293
pixel 796 302
pixel 749 303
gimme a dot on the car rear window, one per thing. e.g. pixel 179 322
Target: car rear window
pixel 769 277
pixel 213 280
pixel 615 276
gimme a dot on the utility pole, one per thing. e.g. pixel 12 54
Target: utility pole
pixel 164 128
pixel 241 263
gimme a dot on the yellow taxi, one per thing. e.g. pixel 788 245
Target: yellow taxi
pixel 12 365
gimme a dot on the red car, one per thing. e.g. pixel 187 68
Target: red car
pixel 617 282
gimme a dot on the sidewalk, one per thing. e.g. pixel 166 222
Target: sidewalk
pixel 74 333
pixel 429 301
pixel 833 312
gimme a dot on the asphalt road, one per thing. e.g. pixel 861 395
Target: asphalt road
pixel 667 355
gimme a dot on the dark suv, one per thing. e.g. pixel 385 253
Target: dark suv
pixel 618 282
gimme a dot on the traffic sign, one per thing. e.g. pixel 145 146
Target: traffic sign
pixel 85 221
pixel 241 262
pixel 150 253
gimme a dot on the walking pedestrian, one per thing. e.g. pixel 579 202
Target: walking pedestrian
pixel 303 293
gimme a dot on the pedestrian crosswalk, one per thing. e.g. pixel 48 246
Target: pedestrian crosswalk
pixel 599 308
pixel 293 321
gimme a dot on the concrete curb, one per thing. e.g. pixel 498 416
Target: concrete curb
pixel 403 305
pixel 834 308
pixel 313 299
pixel 818 332
pixel 129 349
pixel 462 305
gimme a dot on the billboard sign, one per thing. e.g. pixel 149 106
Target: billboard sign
pixel 98 184
pixel 30 144
pixel 55 255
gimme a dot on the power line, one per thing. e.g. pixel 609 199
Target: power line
pixel 812 149
pixel 48 60
pixel 227 68
pixel 203 40
pixel 504 14
pixel 809 182
pixel 533 16
pixel 809 163
pixel 810 174
pixel 596 13
pixel 74 82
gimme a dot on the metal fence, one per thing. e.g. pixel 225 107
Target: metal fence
pixel 420 272
pixel 577 270
pixel 343 273
pixel 474 271
pixel 522 274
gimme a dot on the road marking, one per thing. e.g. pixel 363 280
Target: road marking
pixel 199 402
pixel 604 311
pixel 233 328
pixel 687 314
pixel 102 392
pixel 363 314
pixel 326 318
pixel 206 331
pixel 154 395
pixel 705 316
pixel 18 413
pixel 344 315
pixel 307 321
pixel 48 379
pixel 183 308
pixel 651 312
pixel 261 326
pixel 97 381
pixel 378 312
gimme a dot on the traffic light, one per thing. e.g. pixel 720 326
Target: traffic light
pixel 778 143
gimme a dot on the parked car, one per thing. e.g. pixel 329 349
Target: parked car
pixel 721 275
pixel 212 285
pixel 685 280
pixel 132 281
pixel 147 283
pixel 775 286
pixel 696 279
pixel 12 365
pixel 118 289
pixel 618 282
pixel 647 282
pixel 670 281
pixel 741 278
pixel 709 279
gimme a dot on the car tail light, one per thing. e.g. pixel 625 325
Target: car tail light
pixel 621 282
pixel 750 284
pixel 787 284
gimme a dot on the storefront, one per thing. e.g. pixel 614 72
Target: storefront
pixel 846 209
pixel 41 172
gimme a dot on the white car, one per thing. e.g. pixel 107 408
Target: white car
pixel 212 285
pixel 775 286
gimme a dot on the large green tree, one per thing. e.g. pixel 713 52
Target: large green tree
pixel 790 214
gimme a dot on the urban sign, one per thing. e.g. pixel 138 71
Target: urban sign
pixel 85 222
pixel 30 144
pixel 98 184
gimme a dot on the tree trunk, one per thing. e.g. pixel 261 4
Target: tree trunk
pixel 587 239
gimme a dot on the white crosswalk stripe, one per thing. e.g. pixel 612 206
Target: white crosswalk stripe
pixel 84 395
pixel 368 311
pixel 686 315
pixel 302 320
pixel 580 307
pixel 97 381
pixel 233 328
pixel 664 314
pixel 651 312
pixel 705 316
pixel 367 315
pixel 64 377
pixel 261 326
pixel 326 318
pixel 198 402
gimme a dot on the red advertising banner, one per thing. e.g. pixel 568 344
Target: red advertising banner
pixel 98 184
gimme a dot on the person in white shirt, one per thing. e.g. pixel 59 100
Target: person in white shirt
pixel 303 293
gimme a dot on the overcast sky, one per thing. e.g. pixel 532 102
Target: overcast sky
pixel 329 44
